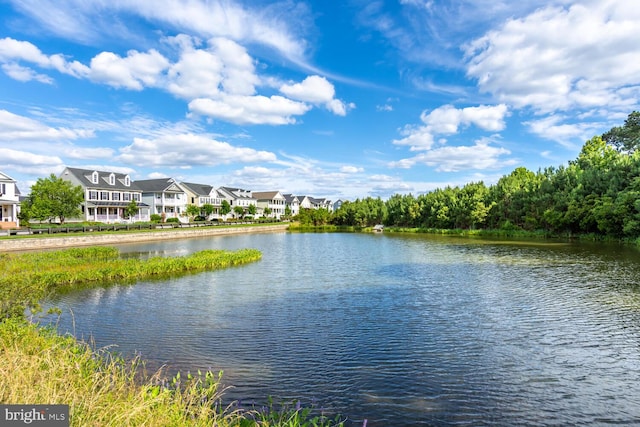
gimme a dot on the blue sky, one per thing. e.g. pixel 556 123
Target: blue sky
pixel 336 99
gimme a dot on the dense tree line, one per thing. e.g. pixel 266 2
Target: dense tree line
pixel 598 193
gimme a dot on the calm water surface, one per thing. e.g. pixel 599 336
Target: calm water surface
pixel 402 330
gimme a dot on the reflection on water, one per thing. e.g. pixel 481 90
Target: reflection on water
pixel 399 329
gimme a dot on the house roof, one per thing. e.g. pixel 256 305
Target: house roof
pixel 83 176
pixel 289 198
pixel 237 193
pixel 5 177
pixel 199 189
pixel 266 195
pixel 160 185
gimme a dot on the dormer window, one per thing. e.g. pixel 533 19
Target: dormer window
pixel 94 177
pixel 112 179
pixel 127 181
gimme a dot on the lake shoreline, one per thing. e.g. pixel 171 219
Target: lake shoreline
pixel 29 244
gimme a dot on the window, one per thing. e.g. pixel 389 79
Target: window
pixel 136 196
pixel 104 195
pixel 93 195
pixel 127 181
pixel 3 188
pixel 126 197
pixel 112 179
pixel 115 196
pixel 94 177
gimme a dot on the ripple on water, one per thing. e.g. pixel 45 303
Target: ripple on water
pixel 401 330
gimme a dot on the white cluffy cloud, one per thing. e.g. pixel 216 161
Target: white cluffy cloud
pixel 556 59
pixel 218 80
pixel 187 150
pixel 447 120
pixel 316 90
pixel 479 156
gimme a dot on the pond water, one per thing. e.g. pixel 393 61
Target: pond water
pixel 401 330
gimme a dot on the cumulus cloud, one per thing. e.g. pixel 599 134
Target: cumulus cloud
pixel 274 110
pixel 12 52
pixel 135 71
pixel 557 58
pixel 222 67
pixel 219 80
pixel 313 89
pixel 447 120
pixel 25 74
pixel 553 128
pixel 188 150
pixel 15 158
pixel 351 169
pixel 316 90
pixel 479 156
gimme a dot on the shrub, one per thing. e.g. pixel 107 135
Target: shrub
pixel 155 218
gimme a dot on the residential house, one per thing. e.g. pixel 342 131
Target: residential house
pixel 273 200
pixel 237 197
pixel 9 202
pixel 337 204
pixel 293 203
pixel 165 197
pixel 106 195
pixel 308 202
pixel 203 194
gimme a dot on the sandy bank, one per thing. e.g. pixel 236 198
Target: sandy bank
pixel 87 239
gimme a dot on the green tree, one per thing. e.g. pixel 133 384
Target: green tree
pixel 239 211
pixel 131 209
pixel 225 208
pixel 192 211
pixel 625 138
pixel 208 210
pixel 267 211
pixel 252 209
pixel 53 198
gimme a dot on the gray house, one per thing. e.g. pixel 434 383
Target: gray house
pixel 106 195
pixel 165 197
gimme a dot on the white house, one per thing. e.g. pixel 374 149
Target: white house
pixel 165 197
pixel 293 202
pixel 106 195
pixel 308 202
pixel 273 200
pixel 9 202
pixel 237 197
pixel 203 194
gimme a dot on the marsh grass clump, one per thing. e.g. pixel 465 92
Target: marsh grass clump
pixel 27 278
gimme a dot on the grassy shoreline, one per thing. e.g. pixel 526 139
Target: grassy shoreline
pixel 39 366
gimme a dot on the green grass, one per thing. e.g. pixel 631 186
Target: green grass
pixel 39 366
pixel 26 278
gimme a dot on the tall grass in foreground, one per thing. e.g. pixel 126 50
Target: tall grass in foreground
pixel 39 366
